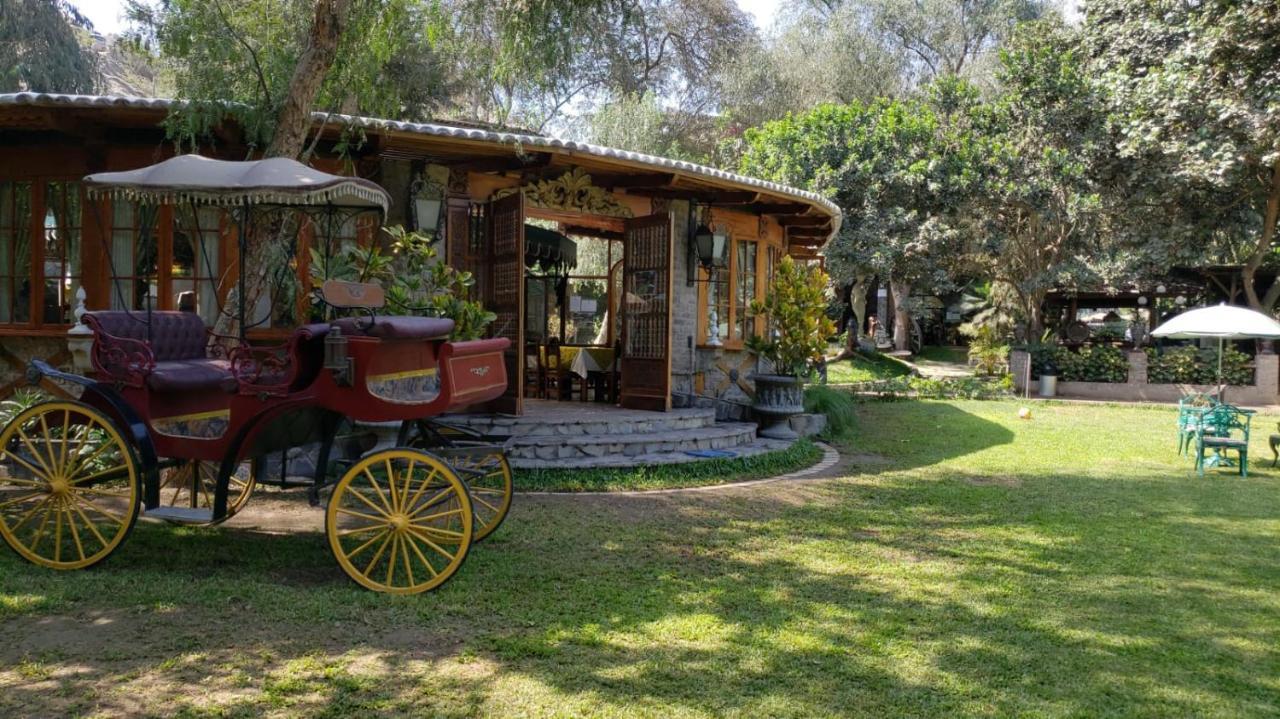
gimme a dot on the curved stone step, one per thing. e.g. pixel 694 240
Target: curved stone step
pixel 580 419
pixel 759 446
pixel 726 435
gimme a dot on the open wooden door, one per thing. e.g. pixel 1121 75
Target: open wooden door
pixel 504 292
pixel 646 313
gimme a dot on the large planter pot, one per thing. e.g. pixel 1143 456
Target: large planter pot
pixel 778 399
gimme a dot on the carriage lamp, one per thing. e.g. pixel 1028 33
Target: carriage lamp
pixel 335 356
pixel 426 200
pixel 708 247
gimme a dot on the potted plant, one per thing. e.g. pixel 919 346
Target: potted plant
pixel 793 344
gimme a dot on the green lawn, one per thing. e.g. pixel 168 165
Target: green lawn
pixel 864 368
pixel 956 355
pixel 966 564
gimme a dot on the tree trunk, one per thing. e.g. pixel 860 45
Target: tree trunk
pixel 1035 315
pixel 901 315
pixel 1267 238
pixel 858 302
pixel 294 119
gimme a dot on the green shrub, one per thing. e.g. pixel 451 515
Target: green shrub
pixel 836 404
pixel 1192 365
pixel 1092 364
pixel 987 353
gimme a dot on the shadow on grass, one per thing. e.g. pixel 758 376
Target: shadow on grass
pixel 915 594
pixel 928 434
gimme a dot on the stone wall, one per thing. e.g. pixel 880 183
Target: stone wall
pixel 1265 389
pixel 17 351
pixel 684 311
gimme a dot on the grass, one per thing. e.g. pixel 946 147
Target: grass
pixel 954 355
pixel 968 564
pixel 698 474
pixel 865 368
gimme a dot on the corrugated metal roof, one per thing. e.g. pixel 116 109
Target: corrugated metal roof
pixel 464 133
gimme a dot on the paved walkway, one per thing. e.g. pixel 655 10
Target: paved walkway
pixel 942 369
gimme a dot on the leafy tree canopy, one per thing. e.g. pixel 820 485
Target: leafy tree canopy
pixel 43 48
pixel 239 57
pixel 897 168
pixel 1194 95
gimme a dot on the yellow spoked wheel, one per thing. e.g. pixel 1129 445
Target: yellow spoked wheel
pixel 191 484
pixel 69 490
pixel 488 477
pixel 400 521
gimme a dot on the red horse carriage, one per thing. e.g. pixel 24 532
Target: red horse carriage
pixel 179 424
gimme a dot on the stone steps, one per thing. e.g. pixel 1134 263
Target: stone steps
pixel 569 419
pixel 758 446
pixel 627 447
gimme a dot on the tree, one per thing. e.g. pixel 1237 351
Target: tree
pixel 1034 217
pixel 636 123
pixel 897 168
pixel 1192 90
pixel 532 67
pixel 42 48
pixel 270 64
pixel 938 37
pixel 812 59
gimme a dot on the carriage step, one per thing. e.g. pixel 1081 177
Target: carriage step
pixel 184 515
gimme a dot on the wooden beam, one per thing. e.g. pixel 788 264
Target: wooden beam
pixel 715 197
pixel 801 232
pixel 656 180
pixel 504 163
pixel 804 221
pixel 590 232
pixel 778 208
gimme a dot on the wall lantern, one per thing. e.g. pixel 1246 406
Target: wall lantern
pixel 426 199
pixel 708 246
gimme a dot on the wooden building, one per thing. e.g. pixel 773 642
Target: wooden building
pixel 636 287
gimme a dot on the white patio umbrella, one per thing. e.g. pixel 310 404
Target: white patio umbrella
pixel 1221 322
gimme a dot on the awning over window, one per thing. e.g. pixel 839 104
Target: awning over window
pixel 549 252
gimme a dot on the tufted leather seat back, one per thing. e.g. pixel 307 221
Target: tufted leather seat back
pixel 173 335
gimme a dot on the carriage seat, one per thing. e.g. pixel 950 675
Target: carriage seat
pixel 393 327
pixel 171 357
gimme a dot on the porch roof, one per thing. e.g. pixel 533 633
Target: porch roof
pixel 810 218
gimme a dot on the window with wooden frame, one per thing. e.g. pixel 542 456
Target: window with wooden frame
pixel 718 304
pixel 751 265
pixel 41 248
pixel 15 252
pixel 196 270
pixel 134 257
pixel 60 252
pixel 744 284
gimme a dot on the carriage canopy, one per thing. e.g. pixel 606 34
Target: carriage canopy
pixel 275 181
